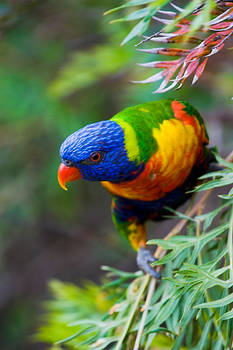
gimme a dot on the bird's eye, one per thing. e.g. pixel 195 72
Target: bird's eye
pixel 67 162
pixel 95 157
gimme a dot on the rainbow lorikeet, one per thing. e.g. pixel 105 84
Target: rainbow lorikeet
pixel 147 156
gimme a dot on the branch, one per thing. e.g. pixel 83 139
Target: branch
pixel 132 312
pixel 144 315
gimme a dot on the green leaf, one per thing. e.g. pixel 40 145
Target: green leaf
pixel 134 15
pixel 180 215
pixel 168 257
pixel 68 338
pixel 166 244
pixel 205 238
pixel 227 316
pixel 222 161
pixel 204 337
pixel 116 272
pixel 226 180
pixel 165 311
pixel 209 217
pixel 160 329
pixel 103 343
pixel 129 4
pixel 217 303
pixel 219 173
pixel 179 341
pixel 218 345
pixel 139 29
pixel 226 196
pixel 189 300
pixel 174 242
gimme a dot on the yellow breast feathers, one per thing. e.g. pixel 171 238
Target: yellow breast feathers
pixel 180 146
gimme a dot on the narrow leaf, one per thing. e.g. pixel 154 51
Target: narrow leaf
pixel 227 316
pixel 217 303
pixel 128 4
pixel 140 28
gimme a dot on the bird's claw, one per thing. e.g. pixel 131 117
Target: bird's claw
pixel 144 258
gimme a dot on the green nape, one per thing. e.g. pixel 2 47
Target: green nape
pixel 138 123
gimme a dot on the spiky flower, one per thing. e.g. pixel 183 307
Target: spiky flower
pixel 208 40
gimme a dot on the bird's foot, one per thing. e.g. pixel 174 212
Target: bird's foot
pixel 144 260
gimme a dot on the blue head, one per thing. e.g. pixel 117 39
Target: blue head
pixel 98 152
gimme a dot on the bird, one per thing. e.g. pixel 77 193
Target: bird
pixel 148 157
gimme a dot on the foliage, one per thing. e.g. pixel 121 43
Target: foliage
pixel 191 306
pixel 49 87
pixel 90 67
pixel 210 21
pixel 70 304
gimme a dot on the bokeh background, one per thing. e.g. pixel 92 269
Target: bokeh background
pixel 61 67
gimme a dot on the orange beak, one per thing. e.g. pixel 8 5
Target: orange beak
pixel 67 173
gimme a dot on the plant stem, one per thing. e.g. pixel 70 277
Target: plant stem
pixel 198 232
pixel 146 307
pixel 177 228
pixel 134 308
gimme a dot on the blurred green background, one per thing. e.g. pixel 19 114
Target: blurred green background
pixel 62 67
